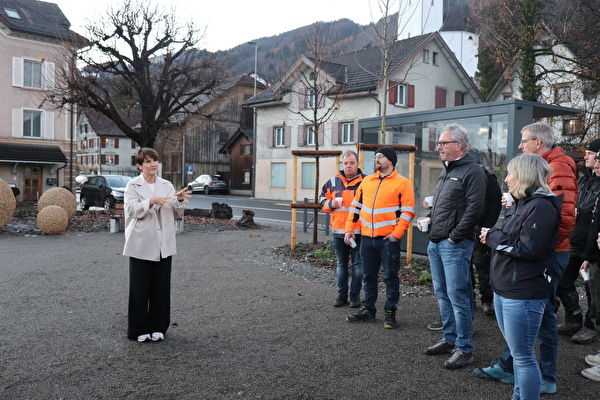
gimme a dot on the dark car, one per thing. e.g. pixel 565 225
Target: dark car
pixel 80 179
pixel 103 191
pixel 208 184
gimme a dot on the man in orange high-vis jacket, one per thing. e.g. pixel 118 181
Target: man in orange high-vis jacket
pixel 336 196
pixel 385 206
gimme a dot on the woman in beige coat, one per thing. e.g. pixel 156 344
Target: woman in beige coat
pixel 151 207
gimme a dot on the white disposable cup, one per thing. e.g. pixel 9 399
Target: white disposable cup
pixel 423 224
pixel 339 200
pixel 352 242
pixel 429 200
pixel 584 274
pixel 509 199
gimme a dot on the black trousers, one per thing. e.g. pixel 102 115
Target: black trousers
pixel 149 296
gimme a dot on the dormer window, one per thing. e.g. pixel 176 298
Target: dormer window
pixel 11 13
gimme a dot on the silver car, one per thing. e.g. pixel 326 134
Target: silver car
pixel 209 184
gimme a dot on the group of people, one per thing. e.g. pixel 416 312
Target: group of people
pixel 532 263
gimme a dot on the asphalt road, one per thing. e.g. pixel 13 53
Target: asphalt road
pixel 246 324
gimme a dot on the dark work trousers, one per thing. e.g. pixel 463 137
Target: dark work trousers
pixel 566 291
pixel 481 258
pixel 149 296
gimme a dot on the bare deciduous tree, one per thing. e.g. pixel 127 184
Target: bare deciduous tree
pixel 139 60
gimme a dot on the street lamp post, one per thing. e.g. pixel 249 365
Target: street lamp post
pixel 254 133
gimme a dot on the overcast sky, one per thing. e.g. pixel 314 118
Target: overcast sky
pixel 233 22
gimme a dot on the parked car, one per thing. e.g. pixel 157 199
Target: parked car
pixel 79 179
pixel 103 191
pixel 209 184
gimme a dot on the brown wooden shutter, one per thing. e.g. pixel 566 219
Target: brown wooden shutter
pixel 116 143
pixel 411 95
pixel 301 138
pixel 116 159
pixel 270 139
pixel 321 135
pixel 103 143
pixel 287 140
pixel 335 133
pixel 392 93
pixel 440 97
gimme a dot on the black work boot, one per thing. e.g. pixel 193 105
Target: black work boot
pixel 341 300
pixel 355 301
pixel 364 315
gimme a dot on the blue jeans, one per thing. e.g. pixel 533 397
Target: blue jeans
pixel 548 334
pixel 342 254
pixel 451 272
pixel 519 321
pixel 374 252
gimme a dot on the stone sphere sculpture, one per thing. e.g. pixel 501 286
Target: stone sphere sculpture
pixel 61 197
pixel 52 220
pixel 8 203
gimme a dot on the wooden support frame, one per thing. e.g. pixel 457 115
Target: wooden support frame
pixel 295 205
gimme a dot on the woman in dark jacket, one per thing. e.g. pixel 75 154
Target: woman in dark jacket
pixel 521 253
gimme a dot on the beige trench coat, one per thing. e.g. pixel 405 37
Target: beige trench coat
pixel 150 231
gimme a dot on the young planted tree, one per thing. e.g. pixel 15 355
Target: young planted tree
pixel 317 91
pixel 138 59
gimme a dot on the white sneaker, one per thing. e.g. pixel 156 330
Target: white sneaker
pixel 592 359
pixel 157 336
pixel 144 337
pixel 592 373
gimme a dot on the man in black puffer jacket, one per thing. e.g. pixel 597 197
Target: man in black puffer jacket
pixel 458 203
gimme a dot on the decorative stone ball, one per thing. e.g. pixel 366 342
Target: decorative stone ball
pixel 52 220
pixel 61 197
pixel 7 203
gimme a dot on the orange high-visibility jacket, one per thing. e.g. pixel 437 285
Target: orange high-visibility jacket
pixel 383 205
pixel 340 186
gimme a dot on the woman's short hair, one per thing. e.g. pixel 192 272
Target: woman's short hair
pixel 531 172
pixel 458 133
pixel 144 152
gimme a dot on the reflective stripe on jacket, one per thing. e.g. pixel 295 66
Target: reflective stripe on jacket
pixel 383 205
pixel 340 186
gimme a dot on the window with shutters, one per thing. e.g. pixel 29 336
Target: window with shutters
pixel 310 135
pixel 279 136
pixel 347 132
pixel 32 73
pixel 401 95
pixel 32 124
pixel 310 98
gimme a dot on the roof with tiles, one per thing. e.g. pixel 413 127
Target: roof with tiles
pixel 36 18
pixel 360 71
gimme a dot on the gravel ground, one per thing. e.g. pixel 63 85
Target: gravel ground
pixel 247 323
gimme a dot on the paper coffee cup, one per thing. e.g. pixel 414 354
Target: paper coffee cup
pixel 423 224
pixel 339 200
pixel 509 199
pixel 429 200
pixel 584 274
pixel 352 242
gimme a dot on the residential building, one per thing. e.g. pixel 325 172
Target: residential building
pixel 558 87
pixel 240 148
pixel 206 131
pixel 37 146
pixel 424 74
pixel 102 148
